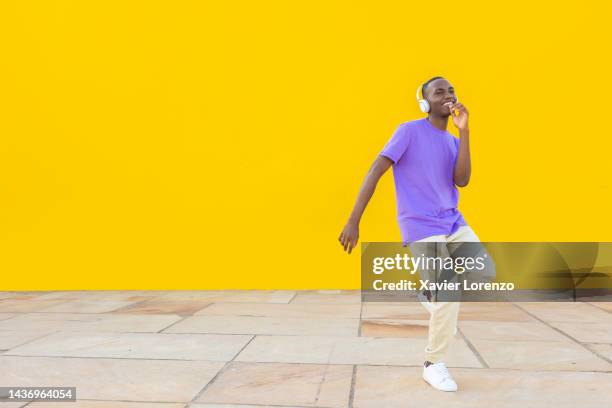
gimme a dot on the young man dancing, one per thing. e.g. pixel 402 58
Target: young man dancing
pixel 428 165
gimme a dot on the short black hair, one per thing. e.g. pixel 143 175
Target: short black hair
pixel 426 84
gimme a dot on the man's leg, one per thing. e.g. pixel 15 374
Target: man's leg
pixel 442 324
pixel 443 317
pixel 443 314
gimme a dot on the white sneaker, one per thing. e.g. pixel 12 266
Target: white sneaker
pixel 429 306
pixel 437 376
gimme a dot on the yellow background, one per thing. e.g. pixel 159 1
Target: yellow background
pixel 203 145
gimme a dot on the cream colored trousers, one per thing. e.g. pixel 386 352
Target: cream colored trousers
pixel 444 316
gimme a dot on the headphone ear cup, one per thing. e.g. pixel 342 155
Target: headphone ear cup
pixel 424 105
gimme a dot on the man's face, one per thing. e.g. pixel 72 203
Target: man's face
pixel 438 93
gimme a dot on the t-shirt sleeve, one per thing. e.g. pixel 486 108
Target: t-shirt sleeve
pixel 397 145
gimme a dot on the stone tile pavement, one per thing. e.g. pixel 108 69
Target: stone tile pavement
pixel 327 349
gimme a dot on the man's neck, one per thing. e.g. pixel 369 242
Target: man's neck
pixel 439 122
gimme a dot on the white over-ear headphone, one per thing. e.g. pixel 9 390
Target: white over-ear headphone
pixel 423 104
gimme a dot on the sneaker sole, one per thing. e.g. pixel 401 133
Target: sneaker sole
pixel 435 388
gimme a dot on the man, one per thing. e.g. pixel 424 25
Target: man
pixel 428 165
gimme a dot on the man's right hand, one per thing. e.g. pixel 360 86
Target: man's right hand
pixel 349 236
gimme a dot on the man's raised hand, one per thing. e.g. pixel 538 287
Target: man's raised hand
pixel 461 119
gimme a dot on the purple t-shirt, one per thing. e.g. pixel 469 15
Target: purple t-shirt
pixel 423 164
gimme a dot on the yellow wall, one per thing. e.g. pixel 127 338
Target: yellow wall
pixel 197 145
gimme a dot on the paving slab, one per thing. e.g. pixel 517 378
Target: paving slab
pixel 350 350
pixel 539 355
pixel 266 325
pixel 112 379
pixel 604 350
pixel 25 305
pixel 328 297
pixel 106 404
pixel 587 332
pixel 249 296
pixel 400 387
pixel 157 306
pixel 209 347
pixel 309 385
pixel 505 330
pixel 89 322
pixel 577 312
pixel 394 328
pixel 283 310
pixel 87 306
pixel 394 311
pixel 13 338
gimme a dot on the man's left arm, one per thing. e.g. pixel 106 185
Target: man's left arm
pixel 463 165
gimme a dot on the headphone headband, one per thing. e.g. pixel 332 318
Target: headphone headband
pixel 420 88
pixel 423 104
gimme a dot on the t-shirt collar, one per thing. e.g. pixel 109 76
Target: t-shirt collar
pixel 431 126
